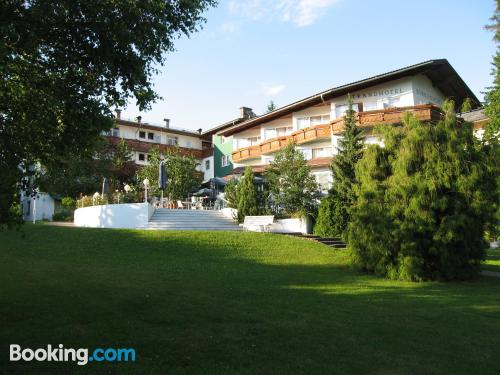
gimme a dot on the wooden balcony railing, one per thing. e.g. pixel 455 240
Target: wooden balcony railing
pixel 246 153
pixel 368 119
pixel 424 112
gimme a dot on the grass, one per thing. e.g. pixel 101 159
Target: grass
pixel 492 262
pixel 228 303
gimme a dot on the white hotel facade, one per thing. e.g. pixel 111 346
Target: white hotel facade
pixel 315 123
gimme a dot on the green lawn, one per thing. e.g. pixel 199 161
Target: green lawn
pixel 492 262
pixel 226 303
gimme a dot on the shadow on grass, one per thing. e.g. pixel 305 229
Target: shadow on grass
pixel 214 302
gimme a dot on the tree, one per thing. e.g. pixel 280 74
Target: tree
pixel 271 106
pixel 424 201
pixel 123 167
pixel 334 211
pixel 79 173
pixel 492 96
pixel 182 177
pixel 247 196
pixel 64 64
pixel 291 185
pixel 231 193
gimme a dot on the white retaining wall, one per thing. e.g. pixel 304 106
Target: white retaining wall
pixel 130 215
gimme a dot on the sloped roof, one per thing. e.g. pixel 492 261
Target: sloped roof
pixel 439 71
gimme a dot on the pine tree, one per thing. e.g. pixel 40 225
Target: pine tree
pixel 247 203
pixel 291 185
pixel 334 210
pixel 271 106
pixel 424 201
pixel 231 193
pixel 492 96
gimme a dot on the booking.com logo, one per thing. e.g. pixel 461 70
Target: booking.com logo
pixel 61 354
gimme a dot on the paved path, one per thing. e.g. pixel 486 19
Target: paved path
pixel 490 273
pixel 61 223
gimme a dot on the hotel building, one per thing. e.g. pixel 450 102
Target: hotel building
pixel 315 123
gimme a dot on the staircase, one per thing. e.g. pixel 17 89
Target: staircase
pixel 334 242
pixel 168 219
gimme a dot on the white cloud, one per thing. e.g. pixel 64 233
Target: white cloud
pixel 228 27
pixel 272 90
pixel 299 12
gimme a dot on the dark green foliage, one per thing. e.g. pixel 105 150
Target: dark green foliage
pixel 231 193
pixel 247 196
pixel 63 64
pixel 78 173
pixel 271 106
pixel 331 221
pixel 334 212
pixel 492 96
pixel 423 202
pixel 182 177
pixel 292 188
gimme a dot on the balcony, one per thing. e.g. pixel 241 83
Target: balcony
pixel 368 119
pixel 311 134
pixel 141 146
pixel 246 153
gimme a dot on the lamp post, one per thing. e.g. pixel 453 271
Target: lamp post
pixel 146 184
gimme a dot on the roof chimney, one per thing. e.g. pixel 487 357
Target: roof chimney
pixel 118 113
pixel 139 118
pixel 200 130
pixel 246 112
pixel 167 122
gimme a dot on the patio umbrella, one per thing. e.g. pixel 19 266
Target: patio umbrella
pixel 203 192
pixel 162 176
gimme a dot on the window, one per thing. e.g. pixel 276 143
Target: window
pixel 320 152
pixel 207 165
pixel 151 136
pixel 225 160
pixel 391 102
pixel 189 144
pixel 284 130
pixel 172 141
pixel 370 106
pixel 142 135
pixel 142 157
pixel 302 122
pixel 305 122
pixel 222 139
pixel 253 140
pixel 341 109
pixel 324 180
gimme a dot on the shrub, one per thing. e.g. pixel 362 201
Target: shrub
pixel 423 202
pixel 231 193
pixel 247 203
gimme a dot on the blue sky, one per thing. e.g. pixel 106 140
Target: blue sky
pixel 250 52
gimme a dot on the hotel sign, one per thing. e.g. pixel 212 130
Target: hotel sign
pixel 378 93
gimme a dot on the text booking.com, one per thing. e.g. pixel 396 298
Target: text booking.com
pixel 81 356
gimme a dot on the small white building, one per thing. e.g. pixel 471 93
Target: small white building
pixel 41 207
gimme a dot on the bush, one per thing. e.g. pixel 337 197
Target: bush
pixel 247 204
pixel 62 216
pixel 68 203
pixel 331 222
pixel 423 202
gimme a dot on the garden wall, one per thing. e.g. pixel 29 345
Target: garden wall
pixel 131 215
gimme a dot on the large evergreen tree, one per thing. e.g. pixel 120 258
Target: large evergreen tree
pixel 292 187
pixel 424 201
pixel 334 210
pixel 64 63
pixel 492 96
pixel 247 196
